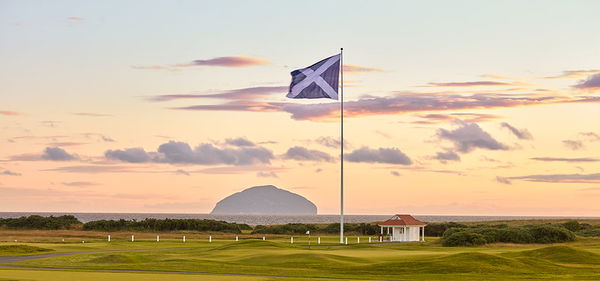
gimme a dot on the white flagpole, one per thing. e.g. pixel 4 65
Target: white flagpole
pixel 342 147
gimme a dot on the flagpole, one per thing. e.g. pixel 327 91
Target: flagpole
pixel 342 147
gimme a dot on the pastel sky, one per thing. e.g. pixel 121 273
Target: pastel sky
pixel 453 107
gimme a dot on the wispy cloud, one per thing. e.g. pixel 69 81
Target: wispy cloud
pixel 239 142
pixel 236 94
pixel 267 175
pixel 401 103
pixel 561 178
pixel 10 173
pixel 561 159
pixel 573 144
pixel 522 134
pixel 226 62
pixel 79 183
pixel 75 18
pixel 9 113
pixel 436 118
pixel 472 84
pixel 89 114
pixel 233 62
pixel 352 68
pixel 573 74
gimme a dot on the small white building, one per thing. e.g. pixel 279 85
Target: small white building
pixel 403 228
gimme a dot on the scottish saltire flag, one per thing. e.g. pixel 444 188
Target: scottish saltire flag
pixel 317 81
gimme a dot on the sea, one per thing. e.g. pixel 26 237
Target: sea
pixel 278 219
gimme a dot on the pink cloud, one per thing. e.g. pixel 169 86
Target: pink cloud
pixel 226 62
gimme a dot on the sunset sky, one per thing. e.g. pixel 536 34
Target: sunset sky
pixel 453 107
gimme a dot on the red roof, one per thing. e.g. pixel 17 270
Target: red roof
pixel 402 220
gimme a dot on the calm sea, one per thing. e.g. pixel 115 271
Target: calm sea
pixel 275 219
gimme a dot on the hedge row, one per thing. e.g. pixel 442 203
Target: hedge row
pixel 165 225
pixel 39 222
pixel 474 236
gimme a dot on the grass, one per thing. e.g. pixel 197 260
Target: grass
pixel 21 250
pixel 578 260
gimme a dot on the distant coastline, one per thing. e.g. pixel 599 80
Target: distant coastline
pixel 278 219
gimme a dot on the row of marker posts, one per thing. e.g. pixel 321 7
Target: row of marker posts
pixel 263 238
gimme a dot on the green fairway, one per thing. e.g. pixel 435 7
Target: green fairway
pixel 277 257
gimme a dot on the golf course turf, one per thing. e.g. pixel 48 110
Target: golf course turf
pixel 277 259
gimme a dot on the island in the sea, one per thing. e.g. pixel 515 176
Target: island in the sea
pixel 266 199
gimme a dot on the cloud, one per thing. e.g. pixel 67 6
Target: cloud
pixel 155 67
pixel 10 173
pixel 239 142
pixel 522 134
pixel 469 136
pixel 236 94
pixel 267 175
pixel 226 62
pixel 395 173
pixel 435 118
pixel 352 68
pixel 75 18
pixel 100 137
pixel 96 169
pixel 318 170
pixel 591 136
pixel 471 84
pixel 130 155
pixel 447 156
pixel 57 154
pixel 88 114
pixel 558 159
pixel 9 113
pixel 79 183
pixel 302 154
pixel 570 74
pixel 182 172
pixel 381 155
pixel 503 180
pixel 330 142
pixel 591 83
pixel 66 143
pixel 561 178
pixel 205 154
pixel 400 104
pixel 573 144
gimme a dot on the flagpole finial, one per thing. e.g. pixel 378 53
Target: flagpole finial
pixel 341 49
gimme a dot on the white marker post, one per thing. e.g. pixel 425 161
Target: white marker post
pixel 346 241
pixel 109 238
pixel 209 239
pixel 319 240
pixel 183 238
pixel 369 239
pixel 264 238
pixel 357 240
pixel 157 238
pixel 380 239
pixel 292 240
pixel 132 238
pixel 237 238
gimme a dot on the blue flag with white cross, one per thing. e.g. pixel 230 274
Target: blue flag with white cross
pixel 317 81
